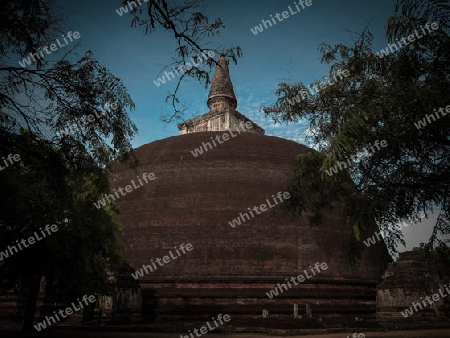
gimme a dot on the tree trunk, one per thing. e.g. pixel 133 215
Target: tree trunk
pixel 34 285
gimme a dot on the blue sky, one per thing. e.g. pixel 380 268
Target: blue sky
pixel 285 51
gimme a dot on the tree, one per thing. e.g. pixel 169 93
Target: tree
pixel 45 118
pixel 62 168
pixel 189 27
pixel 383 99
pixel 50 187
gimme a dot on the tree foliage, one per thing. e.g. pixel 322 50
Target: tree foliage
pixel 381 100
pixel 57 178
pixel 49 186
pixel 190 27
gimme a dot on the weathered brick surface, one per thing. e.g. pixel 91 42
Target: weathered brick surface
pixel 408 280
pixel 230 269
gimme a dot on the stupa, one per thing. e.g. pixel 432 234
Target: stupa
pixel 193 201
pixel 222 104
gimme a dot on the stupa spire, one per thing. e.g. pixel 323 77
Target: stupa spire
pixel 222 103
pixel 221 95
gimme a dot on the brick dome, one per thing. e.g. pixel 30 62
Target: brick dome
pixel 193 199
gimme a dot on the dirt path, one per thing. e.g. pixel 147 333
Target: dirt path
pixel 406 334
pixel 444 333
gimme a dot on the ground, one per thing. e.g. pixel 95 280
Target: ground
pixel 78 333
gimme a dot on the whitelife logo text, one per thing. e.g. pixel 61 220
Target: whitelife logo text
pixel 274 292
pixel 225 137
pixel 68 311
pixel 391 48
pixel 53 48
pixel 342 165
pixel 124 9
pixel 204 329
pixel 318 86
pixel 11 158
pixel 423 123
pixel 31 240
pixel 380 234
pixel 436 297
pixel 284 14
pixel 72 128
pixel 180 70
pixel 259 209
pixel 129 188
pixel 165 259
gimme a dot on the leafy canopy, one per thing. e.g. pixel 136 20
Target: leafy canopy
pixel 381 100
